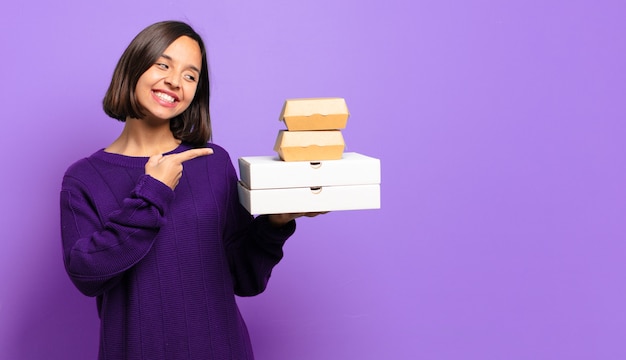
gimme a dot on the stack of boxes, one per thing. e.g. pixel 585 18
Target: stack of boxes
pixel 313 129
pixel 312 173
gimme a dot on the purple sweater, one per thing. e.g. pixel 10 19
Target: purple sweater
pixel 165 265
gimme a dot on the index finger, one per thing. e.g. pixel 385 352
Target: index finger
pixel 192 154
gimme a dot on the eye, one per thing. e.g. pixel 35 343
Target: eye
pixel 190 77
pixel 162 66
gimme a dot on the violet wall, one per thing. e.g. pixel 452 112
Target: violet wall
pixel 500 126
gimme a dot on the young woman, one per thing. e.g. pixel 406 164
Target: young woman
pixel 152 226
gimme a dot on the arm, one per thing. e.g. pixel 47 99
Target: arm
pixel 105 234
pixel 99 247
pixel 253 246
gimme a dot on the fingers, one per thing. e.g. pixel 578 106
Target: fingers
pixel 279 220
pixel 314 214
pixel 306 214
pixel 191 154
pixel 168 169
pixel 154 160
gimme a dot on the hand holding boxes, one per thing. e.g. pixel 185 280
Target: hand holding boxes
pixel 315 174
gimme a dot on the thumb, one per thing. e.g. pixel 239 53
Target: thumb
pixel 154 160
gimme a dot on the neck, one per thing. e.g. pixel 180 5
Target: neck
pixel 139 138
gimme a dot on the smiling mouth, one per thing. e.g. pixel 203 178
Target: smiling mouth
pixel 165 97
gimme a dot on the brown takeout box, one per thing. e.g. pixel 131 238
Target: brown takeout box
pixel 309 145
pixel 315 114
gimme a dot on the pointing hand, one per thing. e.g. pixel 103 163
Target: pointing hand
pixel 168 169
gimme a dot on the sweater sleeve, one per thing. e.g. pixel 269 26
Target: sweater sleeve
pixel 253 246
pixel 99 247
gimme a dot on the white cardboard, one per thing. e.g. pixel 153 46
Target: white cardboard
pixel 297 200
pixel 269 172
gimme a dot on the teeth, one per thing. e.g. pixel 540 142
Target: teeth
pixel 164 97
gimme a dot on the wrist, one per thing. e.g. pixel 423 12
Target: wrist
pixel 279 220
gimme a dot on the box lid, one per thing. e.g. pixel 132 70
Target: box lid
pixel 309 145
pixel 315 114
pixel 269 172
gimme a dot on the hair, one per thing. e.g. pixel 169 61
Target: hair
pixel 194 124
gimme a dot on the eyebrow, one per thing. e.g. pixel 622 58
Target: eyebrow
pixel 192 67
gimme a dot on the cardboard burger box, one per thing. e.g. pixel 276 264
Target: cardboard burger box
pixel 271 186
pixel 315 114
pixel 309 145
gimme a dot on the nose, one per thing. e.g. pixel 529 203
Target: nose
pixel 172 80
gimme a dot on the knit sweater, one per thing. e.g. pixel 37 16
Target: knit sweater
pixel 165 265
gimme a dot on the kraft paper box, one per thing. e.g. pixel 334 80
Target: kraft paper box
pixel 269 185
pixel 269 172
pixel 313 199
pixel 315 114
pixel 309 145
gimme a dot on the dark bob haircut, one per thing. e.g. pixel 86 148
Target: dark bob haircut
pixel 194 124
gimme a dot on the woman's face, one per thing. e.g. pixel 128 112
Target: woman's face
pixel 167 88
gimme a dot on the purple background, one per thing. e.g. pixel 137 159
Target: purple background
pixel 500 126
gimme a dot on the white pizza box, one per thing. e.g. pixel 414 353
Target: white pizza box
pixel 315 114
pixel 309 199
pixel 269 172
